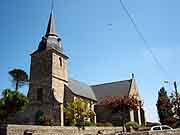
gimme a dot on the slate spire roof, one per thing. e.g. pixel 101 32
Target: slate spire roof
pixel 51 39
pixel 51 29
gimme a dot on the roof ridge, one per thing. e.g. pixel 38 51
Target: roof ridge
pixel 111 82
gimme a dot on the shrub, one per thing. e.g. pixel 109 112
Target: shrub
pixel 11 102
pixel 88 123
pixel 39 117
pixel 42 119
pixel 132 124
pixel 47 121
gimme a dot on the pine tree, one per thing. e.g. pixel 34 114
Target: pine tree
pixel 19 77
pixel 164 108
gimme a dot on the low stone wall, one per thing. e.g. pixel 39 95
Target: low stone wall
pixel 47 130
pixel 55 130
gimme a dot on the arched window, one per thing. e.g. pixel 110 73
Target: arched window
pixel 60 61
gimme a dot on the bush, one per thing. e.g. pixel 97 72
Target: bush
pixel 88 123
pixel 47 121
pixel 106 124
pixel 42 119
pixel 39 118
pixel 11 102
pixel 133 125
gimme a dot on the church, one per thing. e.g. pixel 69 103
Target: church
pixel 50 88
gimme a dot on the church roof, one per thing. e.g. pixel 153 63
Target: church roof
pixel 51 39
pixel 118 88
pixel 81 89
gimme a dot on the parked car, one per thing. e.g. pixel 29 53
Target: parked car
pixel 161 127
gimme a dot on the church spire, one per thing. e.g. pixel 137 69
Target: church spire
pixel 51 39
pixel 51 29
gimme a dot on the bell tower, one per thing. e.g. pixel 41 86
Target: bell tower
pixel 48 75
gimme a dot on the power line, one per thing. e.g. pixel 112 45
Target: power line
pixel 143 38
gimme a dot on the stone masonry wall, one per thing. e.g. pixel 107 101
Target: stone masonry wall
pixel 56 130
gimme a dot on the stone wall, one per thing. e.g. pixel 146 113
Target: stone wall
pixel 56 130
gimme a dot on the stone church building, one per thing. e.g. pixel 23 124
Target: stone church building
pixel 50 88
pixel 126 88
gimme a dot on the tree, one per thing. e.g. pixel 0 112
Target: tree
pixel 19 77
pixel 10 103
pixel 120 104
pixel 78 112
pixel 164 108
pixel 175 101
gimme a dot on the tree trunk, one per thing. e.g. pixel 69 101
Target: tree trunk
pixel 17 84
pixel 124 118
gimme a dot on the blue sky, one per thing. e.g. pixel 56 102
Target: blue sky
pixel 98 52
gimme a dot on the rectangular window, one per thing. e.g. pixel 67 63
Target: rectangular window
pixel 40 94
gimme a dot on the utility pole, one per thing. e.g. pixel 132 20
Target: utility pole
pixel 175 87
pixel 177 100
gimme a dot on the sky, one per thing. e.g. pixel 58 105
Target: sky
pixel 100 40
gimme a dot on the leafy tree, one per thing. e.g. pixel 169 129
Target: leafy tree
pixel 175 101
pixel 10 103
pixel 78 112
pixel 19 77
pixel 164 108
pixel 120 104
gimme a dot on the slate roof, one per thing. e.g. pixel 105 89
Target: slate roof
pixel 51 39
pixel 51 30
pixel 81 89
pixel 119 88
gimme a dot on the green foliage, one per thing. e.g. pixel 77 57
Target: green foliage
pixel 42 119
pixel 39 118
pixel 11 102
pixel 105 124
pixel 133 125
pixel 164 107
pixel 78 112
pixel 175 100
pixel 88 123
pixel 19 76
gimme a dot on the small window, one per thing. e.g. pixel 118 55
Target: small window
pixel 60 61
pixel 40 94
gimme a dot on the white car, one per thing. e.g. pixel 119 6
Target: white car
pixel 160 127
